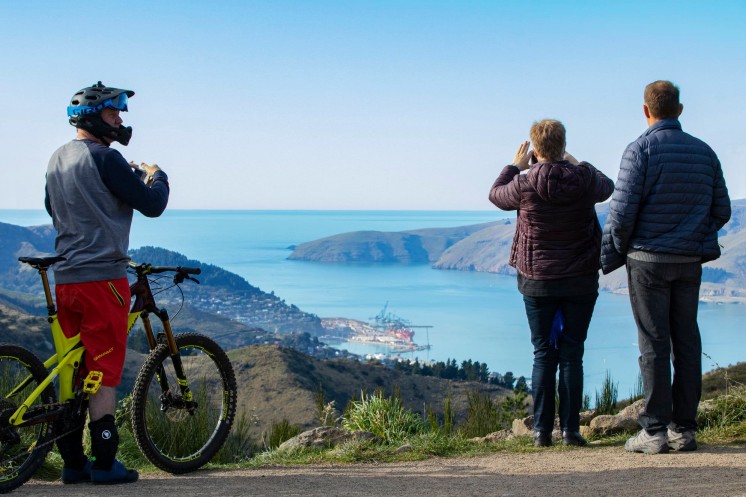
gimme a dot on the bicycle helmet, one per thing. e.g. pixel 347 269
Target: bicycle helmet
pixel 85 108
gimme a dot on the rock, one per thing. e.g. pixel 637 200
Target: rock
pixel 523 427
pixel 495 436
pixel 325 437
pixel 607 424
pixel 404 448
pixel 586 431
pixel 633 410
pixel 587 416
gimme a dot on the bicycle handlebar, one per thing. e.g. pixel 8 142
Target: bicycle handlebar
pixel 182 273
pixel 177 269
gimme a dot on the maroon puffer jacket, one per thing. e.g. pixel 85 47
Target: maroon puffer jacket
pixel 557 234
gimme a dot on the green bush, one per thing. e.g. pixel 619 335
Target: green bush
pixel 385 417
pixel 482 415
pixel 446 428
pixel 725 410
pixel 279 432
pixel 514 406
pixel 606 400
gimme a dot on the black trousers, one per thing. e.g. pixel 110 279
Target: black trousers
pixel 664 298
pixel 567 357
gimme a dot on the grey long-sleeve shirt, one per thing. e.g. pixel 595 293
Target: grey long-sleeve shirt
pixel 91 193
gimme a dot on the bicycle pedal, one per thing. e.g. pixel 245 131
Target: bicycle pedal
pixel 92 382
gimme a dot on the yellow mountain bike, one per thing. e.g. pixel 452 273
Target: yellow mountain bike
pixel 183 401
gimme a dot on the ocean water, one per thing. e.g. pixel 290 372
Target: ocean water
pixel 464 315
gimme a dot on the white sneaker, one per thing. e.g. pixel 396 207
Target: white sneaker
pixel 648 444
pixel 682 442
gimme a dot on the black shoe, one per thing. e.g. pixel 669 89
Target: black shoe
pixel 542 439
pixel 573 438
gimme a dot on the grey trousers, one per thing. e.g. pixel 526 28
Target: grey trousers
pixel 664 298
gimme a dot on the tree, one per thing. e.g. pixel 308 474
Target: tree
pixel 484 372
pixel 521 385
pixel 508 380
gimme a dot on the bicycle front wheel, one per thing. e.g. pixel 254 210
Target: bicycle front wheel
pixel 22 449
pixel 175 433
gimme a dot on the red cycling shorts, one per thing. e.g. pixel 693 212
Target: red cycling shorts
pixel 98 311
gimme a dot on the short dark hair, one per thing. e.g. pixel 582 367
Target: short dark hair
pixel 548 137
pixel 662 99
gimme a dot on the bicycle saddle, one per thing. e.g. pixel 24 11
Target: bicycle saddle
pixel 40 262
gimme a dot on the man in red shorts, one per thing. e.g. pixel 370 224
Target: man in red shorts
pixel 91 193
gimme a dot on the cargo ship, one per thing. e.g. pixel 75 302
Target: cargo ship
pixel 385 328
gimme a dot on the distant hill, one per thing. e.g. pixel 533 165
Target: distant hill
pixel 404 247
pixel 20 328
pixel 486 248
pixel 17 241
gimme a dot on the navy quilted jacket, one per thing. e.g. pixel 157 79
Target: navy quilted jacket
pixel 670 198
pixel 557 234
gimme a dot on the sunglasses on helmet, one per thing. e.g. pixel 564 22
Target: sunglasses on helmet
pixel 119 103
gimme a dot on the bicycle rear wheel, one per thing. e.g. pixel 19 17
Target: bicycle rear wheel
pixel 174 435
pixel 22 449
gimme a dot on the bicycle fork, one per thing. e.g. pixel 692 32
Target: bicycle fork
pixel 168 399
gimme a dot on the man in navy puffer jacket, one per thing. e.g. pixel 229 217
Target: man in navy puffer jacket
pixel 669 203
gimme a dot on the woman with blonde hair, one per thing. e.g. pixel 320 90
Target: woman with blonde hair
pixel 555 251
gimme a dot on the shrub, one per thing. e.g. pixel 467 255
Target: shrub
pixel 448 417
pixel 326 413
pixel 606 400
pixel 446 428
pixel 383 416
pixel 279 432
pixel 482 415
pixel 725 410
pixel 638 392
pixel 514 406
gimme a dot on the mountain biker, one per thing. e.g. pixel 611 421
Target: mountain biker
pixel 91 192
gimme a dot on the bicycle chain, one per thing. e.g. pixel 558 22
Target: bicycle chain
pixel 26 454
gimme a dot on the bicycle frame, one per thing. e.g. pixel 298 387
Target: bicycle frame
pixel 69 351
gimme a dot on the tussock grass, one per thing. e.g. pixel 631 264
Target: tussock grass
pixel 725 410
pixel 385 417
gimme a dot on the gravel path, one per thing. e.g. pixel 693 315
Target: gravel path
pixel 711 471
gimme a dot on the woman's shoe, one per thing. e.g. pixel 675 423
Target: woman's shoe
pixel 573 438
pixel 542 439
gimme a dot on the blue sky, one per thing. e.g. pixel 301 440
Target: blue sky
pixel 362 105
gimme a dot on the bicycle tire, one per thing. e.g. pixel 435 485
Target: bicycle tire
pixel 173 439
pixel 22 449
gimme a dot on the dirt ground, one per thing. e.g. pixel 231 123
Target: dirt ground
pixel 710 471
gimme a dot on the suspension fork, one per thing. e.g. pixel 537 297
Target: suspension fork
pixel 173 351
